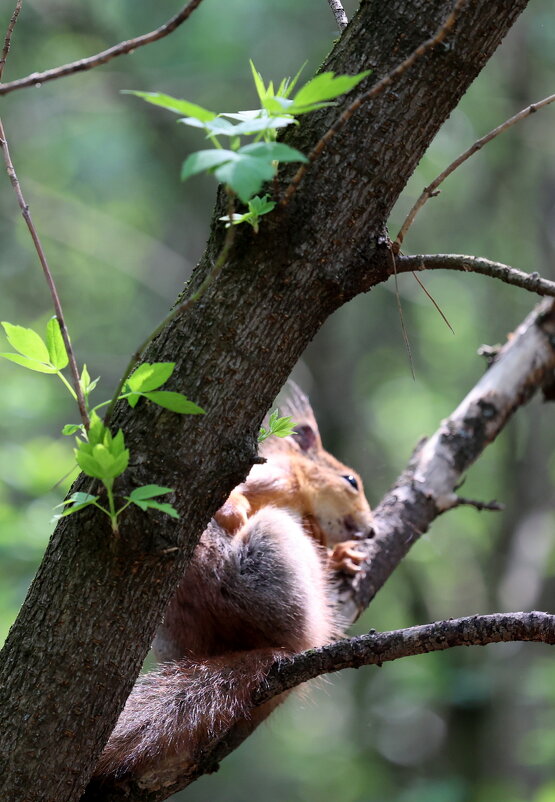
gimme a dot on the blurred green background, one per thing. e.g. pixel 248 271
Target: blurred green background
pixel 101 172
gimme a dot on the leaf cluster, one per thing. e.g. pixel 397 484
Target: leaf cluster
pixel 244 169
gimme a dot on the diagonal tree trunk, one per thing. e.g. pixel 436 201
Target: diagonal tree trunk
pixel 78 643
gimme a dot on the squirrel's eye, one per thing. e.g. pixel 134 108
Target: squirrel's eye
pixel 352 481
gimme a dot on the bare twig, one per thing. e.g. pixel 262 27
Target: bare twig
pixel 435 303
pixel 475 264
pixel 376 90
pixel 400 313
pixel 431 189
pixel 378 648
pixel 47 274
pixel 89 63
pixel 8 37
pixel 210 277
pixel 339 14
pixel 490 506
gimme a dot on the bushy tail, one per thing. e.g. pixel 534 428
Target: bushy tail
pixel 183 706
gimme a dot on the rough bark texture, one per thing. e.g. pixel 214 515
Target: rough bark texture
pixel 74 651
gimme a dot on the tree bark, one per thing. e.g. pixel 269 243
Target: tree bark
pixel 86 625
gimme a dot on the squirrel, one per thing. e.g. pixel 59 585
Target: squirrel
pixel 258 588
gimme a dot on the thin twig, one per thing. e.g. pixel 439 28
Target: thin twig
pixel 401 316
pixel 431 189
pixel 47 274
pixel 210 277
pixel 377 89
pixel 378 648
pixel 475 264
pixel 89 63
pixel 490 506
pixel 339 14
pixel 435 303
pixel 8 38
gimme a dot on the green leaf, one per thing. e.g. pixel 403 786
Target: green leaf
pixel 77 501
pixel 150 376
pixel 263 124
pixel 273 151
pixel 54 342
pixel 174 401
pixel 27 342
pixel 156 505
pixel 118 444
pixel 71 428
pixel 148 491
pixel 258 82
pixel 97 430
pixel 246 175
pixel 205 160
pixel 322 88
pixel 133 400
pixel 120 463
pixel 89 465
pixel 174 104
pixel 32 364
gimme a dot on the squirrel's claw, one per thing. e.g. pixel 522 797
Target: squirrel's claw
pixel 346 558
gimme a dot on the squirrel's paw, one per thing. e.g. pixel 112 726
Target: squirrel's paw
pixel 234 514
pixel 346 558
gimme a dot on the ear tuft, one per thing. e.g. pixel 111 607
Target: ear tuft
pixel 305 437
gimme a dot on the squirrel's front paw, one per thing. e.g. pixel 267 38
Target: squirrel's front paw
pixel 346 558
pixel 234 513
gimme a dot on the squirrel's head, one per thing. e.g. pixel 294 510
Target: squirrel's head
pixel 327 494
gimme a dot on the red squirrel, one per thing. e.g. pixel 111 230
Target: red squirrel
pixel 257 588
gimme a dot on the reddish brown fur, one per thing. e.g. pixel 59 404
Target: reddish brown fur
pixel 256 589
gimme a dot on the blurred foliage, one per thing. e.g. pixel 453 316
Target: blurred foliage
pixel 101 172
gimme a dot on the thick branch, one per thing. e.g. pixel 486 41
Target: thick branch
pixel 106 55
pixel 377 648
pixel 428 486
pixel 476 264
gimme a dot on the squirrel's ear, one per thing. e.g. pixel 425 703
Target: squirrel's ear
pixel 305 437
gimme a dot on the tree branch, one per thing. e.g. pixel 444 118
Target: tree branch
pixel 532 282
pixel 428 486
pixel 8 37
pixel 431 190
pixel 377 648
pixel 339 14
pixel 104 56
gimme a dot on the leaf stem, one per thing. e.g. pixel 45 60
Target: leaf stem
pixel 67 384
pixel 47 274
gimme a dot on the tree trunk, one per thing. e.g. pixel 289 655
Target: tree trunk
pixel 86 625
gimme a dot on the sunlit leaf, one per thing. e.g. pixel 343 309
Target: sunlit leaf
pixel 54 342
